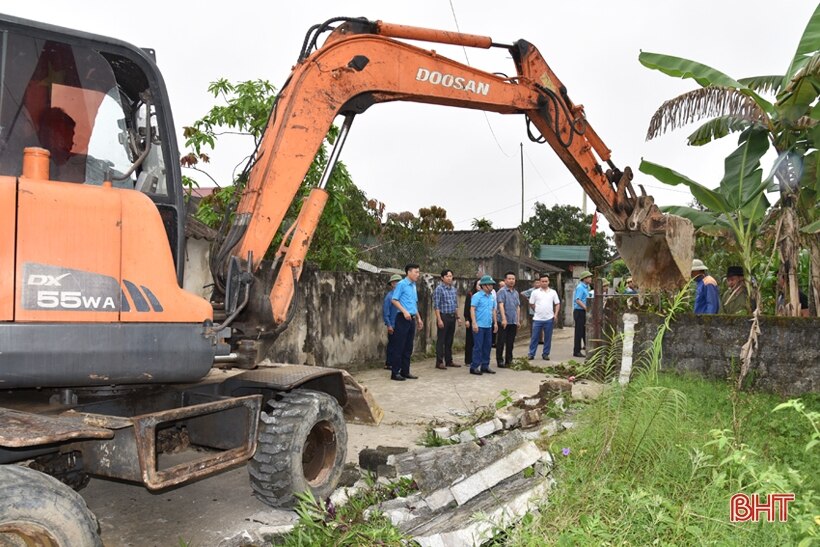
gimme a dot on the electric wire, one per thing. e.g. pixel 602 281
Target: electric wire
pixel 467 57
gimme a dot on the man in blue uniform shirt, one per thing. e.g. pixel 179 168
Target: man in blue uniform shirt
pixel 483 321
pixel 579 312
pixel 406 300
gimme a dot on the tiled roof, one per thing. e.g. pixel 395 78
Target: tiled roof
pixel 474 244
pixel 532 264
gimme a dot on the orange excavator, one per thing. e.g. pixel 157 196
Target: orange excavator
pixel 105 360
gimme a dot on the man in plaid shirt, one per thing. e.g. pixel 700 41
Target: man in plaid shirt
pixel 445 304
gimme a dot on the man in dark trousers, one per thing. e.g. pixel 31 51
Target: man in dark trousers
pixel 389 313
pixel 509 308
pixel 406 300
pixel 579 312
pixel 445 304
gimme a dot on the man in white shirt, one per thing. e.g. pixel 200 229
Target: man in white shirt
pixel 545 304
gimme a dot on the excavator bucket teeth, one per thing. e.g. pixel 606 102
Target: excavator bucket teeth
pixel 662 260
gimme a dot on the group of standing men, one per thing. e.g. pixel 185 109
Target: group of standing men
pixel 487 314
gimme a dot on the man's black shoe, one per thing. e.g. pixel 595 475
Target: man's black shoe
pixel 397 377
pixel 578 355
pixel 409 377
pixel 545 357
pixel 488 371
pixel 476 372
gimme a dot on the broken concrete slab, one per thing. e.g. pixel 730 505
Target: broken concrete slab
pixel 269 531
pixel 515 462
pixel 548 429
pixel 510 417
pixel 350 474
pixel 439 499
pixel 557 384
pixel 587 390
pixel 530 418
pixel 474 522
pixel 436 468
pixel 479 431
pixel 443 432
pixel 342 495
pixel 372 458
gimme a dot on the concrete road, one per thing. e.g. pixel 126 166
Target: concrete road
pixel 206 512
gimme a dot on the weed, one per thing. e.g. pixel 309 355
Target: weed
pixel 505 399
pixel 321 523
pixel 432 439
pixel 667 480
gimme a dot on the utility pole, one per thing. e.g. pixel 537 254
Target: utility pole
pixel 520 235
pixel 521 146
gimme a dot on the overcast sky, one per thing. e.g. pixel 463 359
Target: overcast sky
pixel 411 155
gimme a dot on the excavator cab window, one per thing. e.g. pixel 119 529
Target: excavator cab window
pixel 98 106
pixel 67 99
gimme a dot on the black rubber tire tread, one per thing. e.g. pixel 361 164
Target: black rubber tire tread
pixel 36 498
pixel 276 468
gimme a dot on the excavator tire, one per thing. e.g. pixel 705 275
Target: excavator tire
pixel 36 509
pixel 301 447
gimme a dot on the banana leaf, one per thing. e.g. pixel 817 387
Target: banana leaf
pixel 743 176
pixel 717 128
pixel 809 45
pixel 703 74
pixel 710 199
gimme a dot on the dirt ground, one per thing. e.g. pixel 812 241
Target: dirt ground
pixel 206 512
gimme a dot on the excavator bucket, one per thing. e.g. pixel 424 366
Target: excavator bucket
pixel 662 260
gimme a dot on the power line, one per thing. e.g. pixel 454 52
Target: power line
pixel 529 200
pixel 467 57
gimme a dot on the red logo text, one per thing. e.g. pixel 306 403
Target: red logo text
pixel 773 507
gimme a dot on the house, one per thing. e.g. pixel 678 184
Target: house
pixel 492 252
pixel 571 258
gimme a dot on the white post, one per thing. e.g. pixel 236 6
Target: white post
pixel 630 320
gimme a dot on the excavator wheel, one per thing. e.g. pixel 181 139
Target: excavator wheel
pixel 301 447
pixel 36 509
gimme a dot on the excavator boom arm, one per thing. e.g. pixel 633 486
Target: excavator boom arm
pixel 359 66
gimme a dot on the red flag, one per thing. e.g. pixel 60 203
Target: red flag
pixel 594 224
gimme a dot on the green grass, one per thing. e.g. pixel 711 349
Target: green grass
pixel 320 523
pixel 656 463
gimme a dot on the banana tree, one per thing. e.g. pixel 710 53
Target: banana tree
pixel 790 124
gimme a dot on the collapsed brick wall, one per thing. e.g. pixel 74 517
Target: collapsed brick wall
pixel 787 361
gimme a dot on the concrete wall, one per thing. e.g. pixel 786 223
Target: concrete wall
pixel 339 320
pixel 787 360
pixel 197 278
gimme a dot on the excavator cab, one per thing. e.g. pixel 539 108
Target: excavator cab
pixel 98 108
pixel 91 217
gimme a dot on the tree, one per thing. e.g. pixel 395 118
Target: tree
pixel 405 237
pixel 482 225
pixel 244 111
pixel 565 225
pixel 790 124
